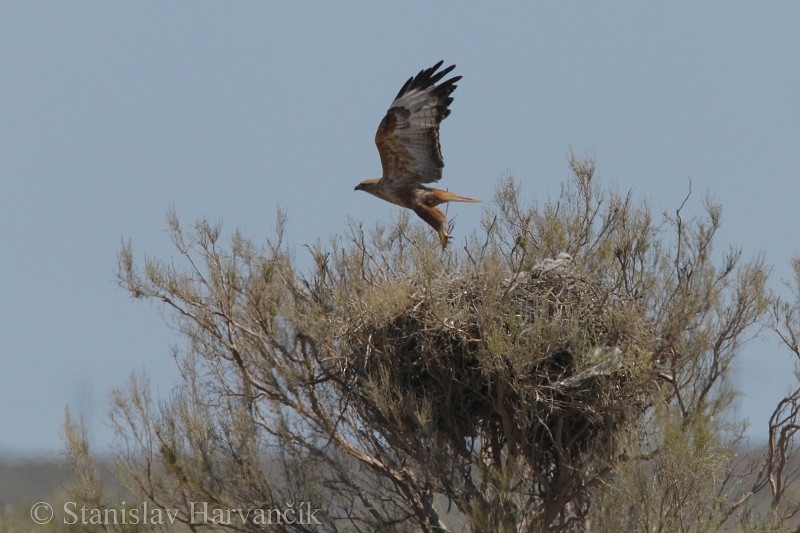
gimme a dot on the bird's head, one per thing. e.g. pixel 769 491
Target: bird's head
pixel 369 186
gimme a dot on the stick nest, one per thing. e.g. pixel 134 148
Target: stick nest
pixel 550 366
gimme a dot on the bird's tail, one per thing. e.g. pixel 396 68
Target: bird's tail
pixel 447 196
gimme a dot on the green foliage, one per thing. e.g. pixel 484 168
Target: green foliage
pixel 500 387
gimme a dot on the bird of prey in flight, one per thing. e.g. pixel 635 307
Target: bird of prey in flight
pixel 408 143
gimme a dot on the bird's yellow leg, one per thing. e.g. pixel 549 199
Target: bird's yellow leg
pixel 444 237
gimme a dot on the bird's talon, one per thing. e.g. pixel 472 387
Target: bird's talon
pixel 444 237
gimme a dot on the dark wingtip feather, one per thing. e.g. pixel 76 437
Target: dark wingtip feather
pixel 428 78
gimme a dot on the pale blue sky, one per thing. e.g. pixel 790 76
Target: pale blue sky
pixel 111 112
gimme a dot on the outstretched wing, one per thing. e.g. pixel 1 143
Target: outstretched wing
pixel 408 136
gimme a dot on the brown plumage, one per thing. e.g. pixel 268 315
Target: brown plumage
pixel 408 143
